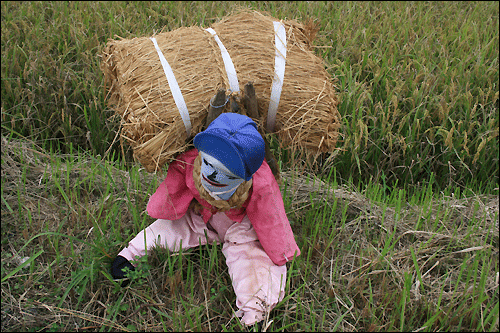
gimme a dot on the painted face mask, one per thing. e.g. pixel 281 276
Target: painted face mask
pixel 219 182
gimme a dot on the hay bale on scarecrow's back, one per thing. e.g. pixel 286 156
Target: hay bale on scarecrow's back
pixel 307 119
pixel 140 93
pixel 307 116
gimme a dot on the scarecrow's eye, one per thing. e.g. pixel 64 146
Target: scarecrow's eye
pixel 205 161
pixel 231 177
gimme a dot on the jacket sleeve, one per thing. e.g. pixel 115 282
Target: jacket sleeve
pixel 172 198
pixel 267 213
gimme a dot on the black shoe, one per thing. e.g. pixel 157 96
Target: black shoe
pixel 117 269
pixel 257 327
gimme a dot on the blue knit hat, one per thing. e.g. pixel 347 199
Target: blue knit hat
pixel 233 139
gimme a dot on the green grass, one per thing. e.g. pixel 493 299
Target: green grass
pixel 418 81
pixel 399 231
pixel 370 260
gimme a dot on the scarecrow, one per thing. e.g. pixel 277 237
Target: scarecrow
pixel 222 185
pixel 224 190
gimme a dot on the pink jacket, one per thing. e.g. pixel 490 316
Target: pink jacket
pixel 264 206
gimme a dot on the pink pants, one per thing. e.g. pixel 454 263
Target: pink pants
pixel 258 283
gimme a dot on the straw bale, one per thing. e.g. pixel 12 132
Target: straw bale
pixel 307 119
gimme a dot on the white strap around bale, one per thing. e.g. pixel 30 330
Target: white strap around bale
pixel 228 63
pixel 279 73
pixel 174 88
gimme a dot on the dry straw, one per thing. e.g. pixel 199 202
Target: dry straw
pixel 307 119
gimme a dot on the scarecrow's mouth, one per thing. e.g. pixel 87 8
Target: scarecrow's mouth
pixel 213 183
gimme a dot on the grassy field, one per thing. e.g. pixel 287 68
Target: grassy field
pixel 398 231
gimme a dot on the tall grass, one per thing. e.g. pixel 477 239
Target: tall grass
pixel 419 85
pixel 418 81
